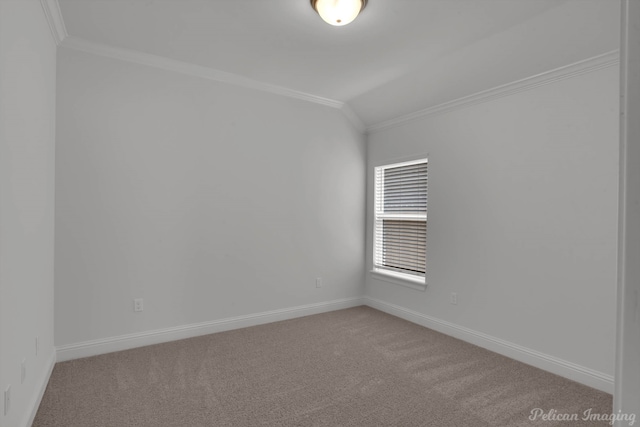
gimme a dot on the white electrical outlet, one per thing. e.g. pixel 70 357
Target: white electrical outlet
pixel 138 304
pixel 454 298
pixel 7 400
pixel 318 282
pixel 23 370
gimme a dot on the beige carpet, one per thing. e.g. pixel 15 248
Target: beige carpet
pixel 354 367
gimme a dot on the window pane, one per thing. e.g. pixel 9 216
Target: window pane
pixel 405 189
pixel 400 233
pixel 404 245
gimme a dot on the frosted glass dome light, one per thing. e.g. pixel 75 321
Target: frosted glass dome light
pixel 338 12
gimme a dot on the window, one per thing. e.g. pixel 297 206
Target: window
pixel 400 234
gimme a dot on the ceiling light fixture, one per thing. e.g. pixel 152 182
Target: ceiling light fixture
pixel 338 12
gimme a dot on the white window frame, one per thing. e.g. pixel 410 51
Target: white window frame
pixel 398 278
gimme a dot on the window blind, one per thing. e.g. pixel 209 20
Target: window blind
pixel 400 233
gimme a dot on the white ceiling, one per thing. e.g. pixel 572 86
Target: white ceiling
pixel 399 56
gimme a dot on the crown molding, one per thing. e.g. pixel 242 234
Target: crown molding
pixel 53 14
pixel 194 70
pixel 598 62
pixel 190 69
pixel 353 118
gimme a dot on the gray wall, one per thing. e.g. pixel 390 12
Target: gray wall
pixel 207 200
pixel 27 152
pixel 522 217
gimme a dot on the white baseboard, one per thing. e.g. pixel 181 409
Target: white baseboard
pixel 572 371
pixel 125 342
pixel 40 389
pixel 586 376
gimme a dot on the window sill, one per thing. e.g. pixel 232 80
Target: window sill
pixel 419 284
